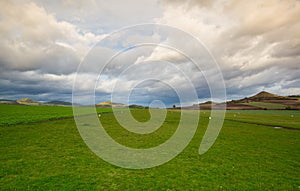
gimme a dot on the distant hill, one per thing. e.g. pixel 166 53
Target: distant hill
pixel 263 96
pixel 7 101
pixel 136 106
pixel 266 100
pixel 261 101
pixel 64 103
pixel 28 101
pixel 109 104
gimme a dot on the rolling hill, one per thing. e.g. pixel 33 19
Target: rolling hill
pixel 62 103
pixel 266 100
pixel 8 101
pixel 109 104
pixel 261 101
pixel 28 101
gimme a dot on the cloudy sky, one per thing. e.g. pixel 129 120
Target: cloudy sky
pixel 256 45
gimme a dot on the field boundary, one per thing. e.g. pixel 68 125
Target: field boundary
pixel 262 124
pixel 45 120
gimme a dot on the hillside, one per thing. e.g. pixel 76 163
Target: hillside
pixel 109 104
pixel 265 100
pixel 264 96
pixel 8 101
pixel 261 101
pixel 28 101
pixel 63 103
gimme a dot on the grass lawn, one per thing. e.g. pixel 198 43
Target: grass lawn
pixel 51 155
pixel 280 118
pixel 20 114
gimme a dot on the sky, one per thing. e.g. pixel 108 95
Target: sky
pixel 47 46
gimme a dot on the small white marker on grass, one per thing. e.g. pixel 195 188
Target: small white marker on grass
pixel 209 117
pixel 99 115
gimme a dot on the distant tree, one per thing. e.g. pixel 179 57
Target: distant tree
pixel 174 106
pixel 288 108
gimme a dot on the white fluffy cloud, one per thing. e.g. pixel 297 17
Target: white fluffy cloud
pixel 256 43
pixel 32 39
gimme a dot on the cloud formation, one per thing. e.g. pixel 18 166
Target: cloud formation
pixel 256 44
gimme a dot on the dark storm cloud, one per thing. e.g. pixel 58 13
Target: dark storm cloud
pixel 256 47
pixel 256 44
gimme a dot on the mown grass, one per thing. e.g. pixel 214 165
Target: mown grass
pixel 266 105
pixel 17 114
pixel 276 118
pixel 52 156
pixel 20 114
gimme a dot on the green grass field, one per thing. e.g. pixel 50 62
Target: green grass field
pixel 21 114
pixel 275 118
pixel 50 155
